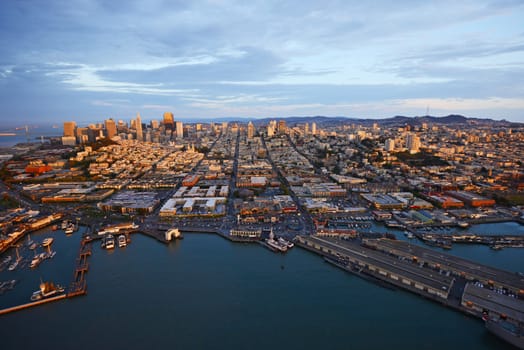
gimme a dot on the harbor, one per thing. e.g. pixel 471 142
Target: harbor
pixel 119 278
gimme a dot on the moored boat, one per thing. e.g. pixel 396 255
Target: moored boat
pixel 122 241
pixel 47 290
pixel 108 242
pixel 47 241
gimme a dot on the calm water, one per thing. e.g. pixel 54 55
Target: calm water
pixel 205 292
pixel 20 136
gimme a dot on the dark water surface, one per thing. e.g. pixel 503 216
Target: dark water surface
pixel 207 293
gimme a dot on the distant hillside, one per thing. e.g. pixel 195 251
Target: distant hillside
pixel 397 120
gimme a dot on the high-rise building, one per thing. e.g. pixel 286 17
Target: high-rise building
pixel 154 124
pixel 271 128
pixel 110 128
pixel 282 127
pixel 306 129
pixel 179 129
pixel 412 143
pixel 138 125
pixel 250 130
pixel 169 120
pixel 314 128
pixel 389 145
pixel 69 129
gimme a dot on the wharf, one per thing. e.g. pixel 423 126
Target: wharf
pixel 78 285
pixel 457 266
pixel 34 303
pixel 440 277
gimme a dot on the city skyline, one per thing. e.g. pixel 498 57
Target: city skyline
pixel 88 61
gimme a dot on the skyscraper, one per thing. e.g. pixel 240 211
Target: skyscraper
pixel 389 145
pixel 250 130
pixel 169 121
pixel 110 128
pixel 138 125
pixel 69 129
pixel 179 130
pixel 314 128
pixel 412 143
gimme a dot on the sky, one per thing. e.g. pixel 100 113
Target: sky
pixel 91 60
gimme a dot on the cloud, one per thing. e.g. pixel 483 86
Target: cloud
pixel 92 58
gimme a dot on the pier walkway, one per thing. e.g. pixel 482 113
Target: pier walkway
pixel 79 284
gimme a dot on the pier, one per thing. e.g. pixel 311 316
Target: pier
pixel 34 303
pixel 440 277
pixel 79 284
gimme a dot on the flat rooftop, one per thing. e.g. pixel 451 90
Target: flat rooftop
pixel 451 261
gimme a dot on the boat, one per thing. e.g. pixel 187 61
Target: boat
pixel 54 227
pixel 510 332
pixel 47 290
pixel 47 241
pixel 122 241
pixel 16 262
pixel 276 245
pixel 462 224
pixel 37 259
pixel 70 228
pixel 108 242
pixel 33 246
pixel 287 243
pixel 64 224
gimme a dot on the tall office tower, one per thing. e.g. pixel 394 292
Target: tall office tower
pixel 282 127
pixel 179 130
pixel 224 126
pixel 250 130
pixel 412 143
pixel 198 127
pixel 389 146
pixel 69 129
pixel 314 128
pixel 271 129
pixel 169 121
pixel 110 128
pixel 306 129
pixel 154 124
pixel 138 125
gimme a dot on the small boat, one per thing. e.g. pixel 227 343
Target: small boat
pixel 47 290
pixel 16 262
pixel 64 224
pixel 47 241
pixel 108 242
pixel 69 229
pixel 122 241
pixel 286 243
pixel 33 246
pixel 37 259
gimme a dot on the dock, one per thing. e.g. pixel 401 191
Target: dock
pixel 34 303
pixel 444 278
pixel 78 285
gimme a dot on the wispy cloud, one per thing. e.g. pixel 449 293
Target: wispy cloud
pixel 249 58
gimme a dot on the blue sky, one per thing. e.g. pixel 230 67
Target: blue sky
pixel 91 60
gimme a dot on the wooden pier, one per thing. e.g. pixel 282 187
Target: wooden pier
pixel 34 303
pixel 79 284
